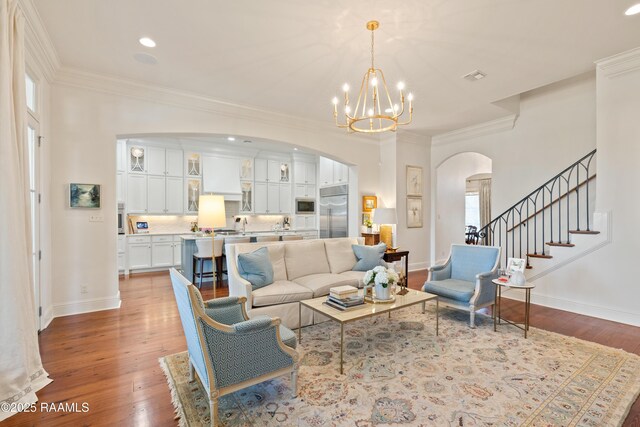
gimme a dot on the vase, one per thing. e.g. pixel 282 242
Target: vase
pixel 382 293
pixel 517 279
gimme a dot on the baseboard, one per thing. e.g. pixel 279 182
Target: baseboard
pixel 47 317
pixel 86 306
pixel 415 266
pixel 579 308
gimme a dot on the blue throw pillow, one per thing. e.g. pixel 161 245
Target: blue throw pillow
pixel 369 257
pixel 256 268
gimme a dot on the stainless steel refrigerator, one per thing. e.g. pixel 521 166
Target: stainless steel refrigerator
pixel 333 211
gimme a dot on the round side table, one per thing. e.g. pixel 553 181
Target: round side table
pixel 527 305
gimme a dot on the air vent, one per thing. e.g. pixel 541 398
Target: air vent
pixel 474 76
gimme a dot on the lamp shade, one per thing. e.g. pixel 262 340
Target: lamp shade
pixel 384 216
pixel 211 212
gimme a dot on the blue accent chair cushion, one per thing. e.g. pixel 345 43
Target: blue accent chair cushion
pixel 468 261
pixel 368 257
pixel 256 268
pixel 458 290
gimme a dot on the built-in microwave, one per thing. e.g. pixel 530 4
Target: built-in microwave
pixel 305 206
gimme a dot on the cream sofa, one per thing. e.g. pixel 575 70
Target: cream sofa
pixel 302 270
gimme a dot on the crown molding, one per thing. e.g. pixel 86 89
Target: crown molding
pixel 486 128
pixel 117 86
pixel 38 44
pixel 620 64
pixel 413 138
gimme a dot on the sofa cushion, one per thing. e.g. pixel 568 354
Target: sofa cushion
pixel 305 258
pixel 340 254
pixel 356 276
pixel 457 290
pixel 280 292
pixel 256 268
pixel 276 255
pixel 469 260
pixel 321 283
pixel 368 257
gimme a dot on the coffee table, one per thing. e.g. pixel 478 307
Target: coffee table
pixel 412 297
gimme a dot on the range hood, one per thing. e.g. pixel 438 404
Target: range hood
pixel 221 175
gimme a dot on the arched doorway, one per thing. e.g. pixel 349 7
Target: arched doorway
pixel 455 178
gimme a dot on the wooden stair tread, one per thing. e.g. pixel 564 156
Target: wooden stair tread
pixel 539 256
pixel 583 232
pixel 564 245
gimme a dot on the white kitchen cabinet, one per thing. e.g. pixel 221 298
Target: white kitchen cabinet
pixel 174 196
pixel 326 171
pixel 121 155
pixel 285 198
pixel 260 170
pixel 246 201
pixel 305 222
pixel 273 198
pixel 177 250
pixel 156 194
pixel 305 190
pixel 122 252
pixel 193 164
pixel 260 197
pixel 156 161
pixel 193 189
pixel 173 163
pixel 162 254
pixel 120 191
pixel 137 159
pixel 246 169
pixel 305 173
pixel 273 171
pixel 139 255
pixel 340 173
pixel 136 193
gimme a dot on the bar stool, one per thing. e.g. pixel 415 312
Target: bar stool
pixel 261 239
pixel 208 250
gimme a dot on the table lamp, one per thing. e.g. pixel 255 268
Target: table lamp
pixel 385 218
pixel 211 212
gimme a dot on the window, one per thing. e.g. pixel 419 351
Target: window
pixel 472 209
pixel 30 86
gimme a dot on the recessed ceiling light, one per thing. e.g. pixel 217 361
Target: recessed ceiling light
pixel 231 138
pixel 246 141
pixel 474 75
pixel 633 10
pixel 295 148
pixel 147 42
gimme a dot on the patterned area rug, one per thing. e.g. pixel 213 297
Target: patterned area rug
pixel 397 372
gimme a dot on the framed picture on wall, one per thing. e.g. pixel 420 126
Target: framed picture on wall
pixel 84 196
pixel 369 203
pixel 516 264
pixel 414 212
pixel 414 181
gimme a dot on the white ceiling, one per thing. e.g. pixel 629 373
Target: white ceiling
pixel 293 56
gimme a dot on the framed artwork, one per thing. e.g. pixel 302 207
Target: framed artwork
pixel 516 264
pixel 369 203
pixel 414 181
pixel 365 218
pixel 414 212
pixel 84 196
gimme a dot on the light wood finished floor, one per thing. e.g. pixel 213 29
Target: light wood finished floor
pixel 110 358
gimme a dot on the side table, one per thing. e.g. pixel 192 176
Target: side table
pixel 371 239
pixel 527 305
pixel 397 256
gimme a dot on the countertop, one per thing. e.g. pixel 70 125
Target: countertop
pixel 187 235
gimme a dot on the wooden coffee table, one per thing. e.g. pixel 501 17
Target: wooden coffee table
pixel 412 297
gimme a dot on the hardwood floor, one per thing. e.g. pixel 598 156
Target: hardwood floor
pixel 109 359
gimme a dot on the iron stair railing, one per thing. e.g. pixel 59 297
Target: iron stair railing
pixel 544 213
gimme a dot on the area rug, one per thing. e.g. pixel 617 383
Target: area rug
pixel 397 372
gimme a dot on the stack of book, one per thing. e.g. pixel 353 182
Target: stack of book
pixel 344 298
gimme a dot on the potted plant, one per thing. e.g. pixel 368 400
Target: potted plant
pixel 383 278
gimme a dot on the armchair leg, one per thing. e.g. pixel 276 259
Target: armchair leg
pixel 213 405
pixel 472 320
pixel 294 383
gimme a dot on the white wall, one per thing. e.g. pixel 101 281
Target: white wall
pixel 451 186
pixel 88 114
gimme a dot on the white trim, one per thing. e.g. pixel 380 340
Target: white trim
pixel 47 317
pixel 174 97
pixel 37 41
pixel 600 312
pixel 417 266
pixel 620 64
pixel 486 128
pixel 87 306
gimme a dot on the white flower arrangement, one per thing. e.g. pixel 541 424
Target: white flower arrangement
pixel 381 276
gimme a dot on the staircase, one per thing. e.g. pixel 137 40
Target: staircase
pixel 553 221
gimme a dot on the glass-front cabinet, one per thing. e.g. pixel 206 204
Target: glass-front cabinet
pixel 137 159
pixel 246 170
pixel 194 188
pixel 246 203
pixel 193 164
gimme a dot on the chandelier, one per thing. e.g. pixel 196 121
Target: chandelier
pixel 374 111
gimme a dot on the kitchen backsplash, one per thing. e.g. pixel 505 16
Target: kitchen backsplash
pixel 182 223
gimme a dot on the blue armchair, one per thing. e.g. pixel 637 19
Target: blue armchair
pixel 464 281
pixel 227 351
